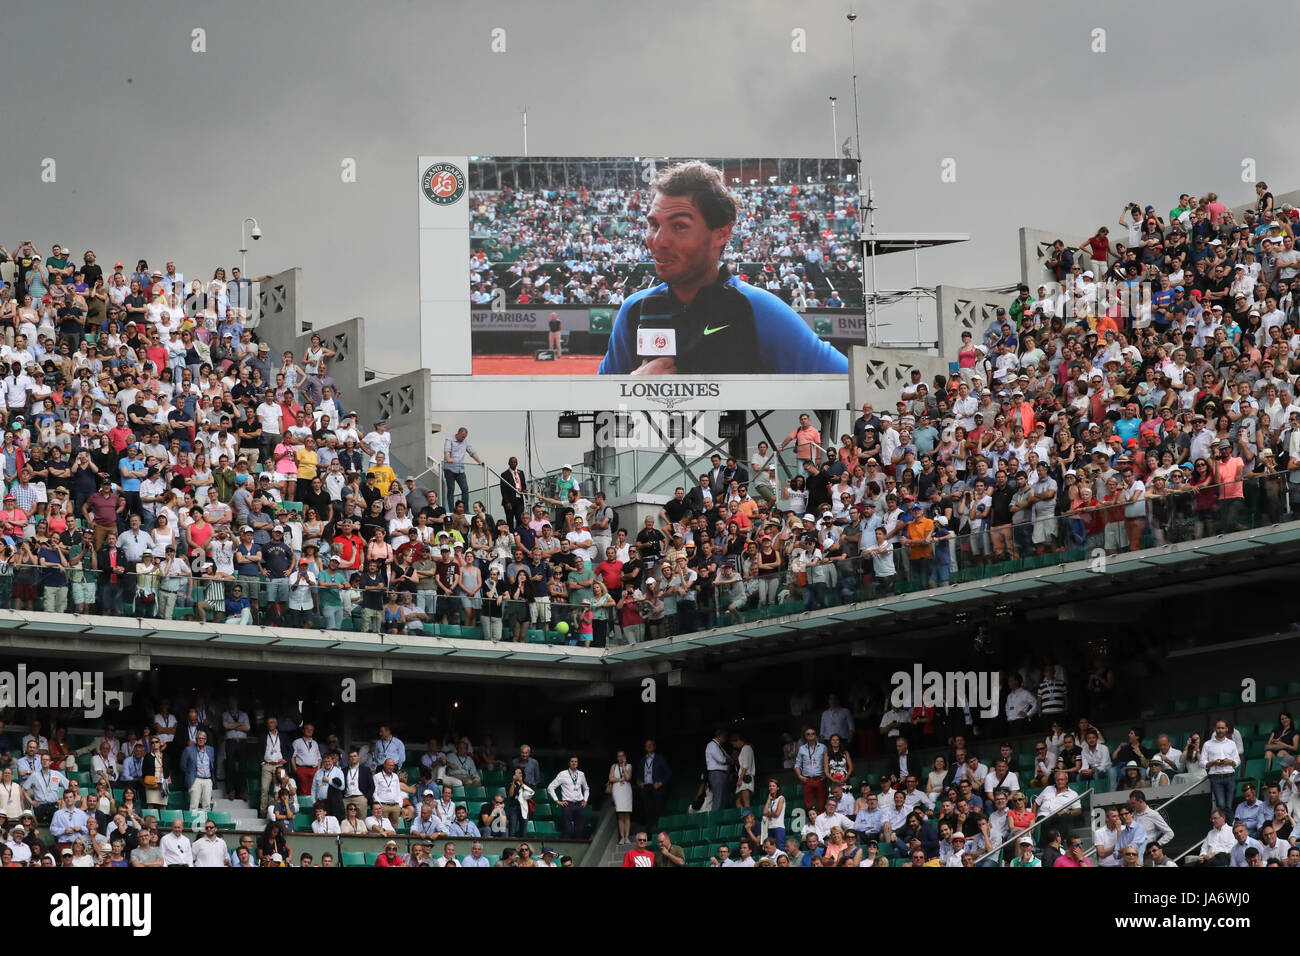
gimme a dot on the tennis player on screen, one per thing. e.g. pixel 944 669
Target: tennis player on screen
pixel 700 319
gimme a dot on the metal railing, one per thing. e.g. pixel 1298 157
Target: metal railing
pixel 1076 803
pixel 1190 787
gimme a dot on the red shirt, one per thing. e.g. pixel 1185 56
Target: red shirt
pixel 383 860
pixel 611 574
pixel 351 547
pixel 638 858
pixel 121 437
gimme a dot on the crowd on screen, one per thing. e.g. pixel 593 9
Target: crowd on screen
pixel 575 245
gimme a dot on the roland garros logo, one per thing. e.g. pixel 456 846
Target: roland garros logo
pixel 443 184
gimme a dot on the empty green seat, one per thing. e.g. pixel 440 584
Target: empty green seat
pixel 165 817
pixel 370 858
pixel 476 794
pixel 353 859
pixel 222 819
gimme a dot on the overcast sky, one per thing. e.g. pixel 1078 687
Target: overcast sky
pixel 161 151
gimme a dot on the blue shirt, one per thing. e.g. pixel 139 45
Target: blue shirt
pixel 810 762
pixel 1238 855
pixel 475 862
pixel 46 786
pixel 320 783
pixel 1135 834
pixel 65 818
pixel 1254 817
pixel 1127 428
pixel 466 829
pixel 389 748
pixel 430 827
pixel 868 822
pixel 126 465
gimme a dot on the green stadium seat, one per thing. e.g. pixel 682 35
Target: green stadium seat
pixel 302 822
pixel 177 800
pixel 546 828
pixel 1293 689
pixel 165 817
pixel 222 819
pixel 1225 698
pixel 1273 691
pixel 370 858
pixel 478 794
pixel 530 828
pixel 353 859
pixel 1254 770
pixel 544 812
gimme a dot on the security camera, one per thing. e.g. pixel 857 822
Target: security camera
pixel 256 233
pixel 852 17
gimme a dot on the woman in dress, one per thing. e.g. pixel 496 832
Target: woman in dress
pixel 129 809
pixel 838 764
pixel 774 813
pixel 155 769
pixel 519 802
pixel 271 842
pixel 934 783
pixel 1283 742
pixel 746 771
pixel 620 788
pixel 60 753
pixel 517 607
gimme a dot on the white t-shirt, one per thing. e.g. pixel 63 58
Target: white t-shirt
pixel 270 415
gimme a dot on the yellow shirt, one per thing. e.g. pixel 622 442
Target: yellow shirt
pixel 384 476
pixel 307 461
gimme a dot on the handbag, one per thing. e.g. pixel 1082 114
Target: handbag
pixel 151 782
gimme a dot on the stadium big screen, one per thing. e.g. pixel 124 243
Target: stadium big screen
pixel 641 266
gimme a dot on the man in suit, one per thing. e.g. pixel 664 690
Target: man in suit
pixel 513 488
pixel 700 499
pixel 716 472
pixel 358 783
pixel 902 763
pixel 651 782
pixel 734 472
pixel 198 764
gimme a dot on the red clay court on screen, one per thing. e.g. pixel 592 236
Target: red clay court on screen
pixel 527 365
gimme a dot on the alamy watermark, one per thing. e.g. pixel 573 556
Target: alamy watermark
pixel 53 690
pixel 974 689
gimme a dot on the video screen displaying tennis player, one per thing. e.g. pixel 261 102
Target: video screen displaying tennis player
pixel 664 267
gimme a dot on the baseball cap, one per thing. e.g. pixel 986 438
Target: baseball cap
pixel 1026 841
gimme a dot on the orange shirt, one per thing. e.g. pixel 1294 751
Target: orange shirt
pixel 806 441
pixel 917 529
